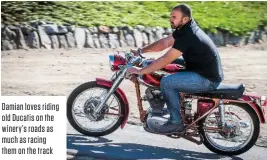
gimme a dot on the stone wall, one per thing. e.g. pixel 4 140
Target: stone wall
pixel 48 35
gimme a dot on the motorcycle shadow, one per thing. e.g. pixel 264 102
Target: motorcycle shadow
pixel 84 146
pixel 77 138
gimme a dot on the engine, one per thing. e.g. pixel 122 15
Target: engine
pixel 154 98
pixel 156 102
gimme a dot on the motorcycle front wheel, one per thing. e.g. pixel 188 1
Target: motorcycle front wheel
pixel 243 128
pixel 81 103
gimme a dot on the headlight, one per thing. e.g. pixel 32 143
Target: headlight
pixel 115 61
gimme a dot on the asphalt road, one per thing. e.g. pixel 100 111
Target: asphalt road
pixel 134 143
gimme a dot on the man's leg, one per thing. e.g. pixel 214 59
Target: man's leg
pixel 171 85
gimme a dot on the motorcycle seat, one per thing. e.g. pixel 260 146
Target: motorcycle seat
pixel 226 91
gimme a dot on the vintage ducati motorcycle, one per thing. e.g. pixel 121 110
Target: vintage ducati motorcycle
pixel 225 120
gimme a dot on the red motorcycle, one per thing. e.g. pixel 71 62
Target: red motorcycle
pixel 225 120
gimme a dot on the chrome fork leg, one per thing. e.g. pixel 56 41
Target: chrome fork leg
pixel 115 85
pixel 222 113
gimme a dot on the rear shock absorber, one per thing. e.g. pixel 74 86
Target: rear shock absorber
pixel 221 113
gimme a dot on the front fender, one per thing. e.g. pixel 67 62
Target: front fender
pixel 260 111
pixel 109 83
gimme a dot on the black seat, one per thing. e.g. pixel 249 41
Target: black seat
pixel 226 91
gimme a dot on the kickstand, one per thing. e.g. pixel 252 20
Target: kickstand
pixel 190 138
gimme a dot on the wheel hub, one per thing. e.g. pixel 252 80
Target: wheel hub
pixel 231 128
pixel 89 107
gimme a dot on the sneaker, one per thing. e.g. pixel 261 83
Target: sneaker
pixel 170 127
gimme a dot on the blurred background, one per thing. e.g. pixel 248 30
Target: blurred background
pixel 131 24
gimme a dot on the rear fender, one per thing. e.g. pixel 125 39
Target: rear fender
pixel 260 110
pixel 109 84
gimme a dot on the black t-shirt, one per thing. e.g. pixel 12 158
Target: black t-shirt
pixel 199 52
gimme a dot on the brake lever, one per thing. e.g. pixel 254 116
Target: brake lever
pixel 139 50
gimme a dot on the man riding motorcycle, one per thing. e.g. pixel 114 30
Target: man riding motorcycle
pixel 204 71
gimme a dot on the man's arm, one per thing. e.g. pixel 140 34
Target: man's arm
pixel 161 62
pixel 158 45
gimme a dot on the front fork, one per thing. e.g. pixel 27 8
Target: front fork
pixel 117 82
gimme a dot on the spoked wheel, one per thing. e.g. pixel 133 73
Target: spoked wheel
pixel 239 134
pixel 83 101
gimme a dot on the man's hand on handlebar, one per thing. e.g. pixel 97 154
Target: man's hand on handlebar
pixel 133 70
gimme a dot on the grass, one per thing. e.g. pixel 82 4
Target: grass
pixel 237 18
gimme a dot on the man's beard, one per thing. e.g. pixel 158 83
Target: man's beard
pixel 176 27
pixel 172 25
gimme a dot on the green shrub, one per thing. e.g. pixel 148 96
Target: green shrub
pixel 236 17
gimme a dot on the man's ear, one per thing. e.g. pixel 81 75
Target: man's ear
pixel 185 19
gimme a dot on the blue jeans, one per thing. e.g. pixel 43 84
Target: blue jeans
pixel 186 82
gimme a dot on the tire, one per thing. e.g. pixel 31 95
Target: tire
pixel 252 141
pixel 70 117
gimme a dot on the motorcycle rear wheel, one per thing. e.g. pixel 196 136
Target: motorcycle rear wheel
pixel 252 138
pixel 70 112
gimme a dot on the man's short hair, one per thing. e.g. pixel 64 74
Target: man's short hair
pixel 185 9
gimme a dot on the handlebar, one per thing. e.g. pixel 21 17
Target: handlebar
pixel 132 59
